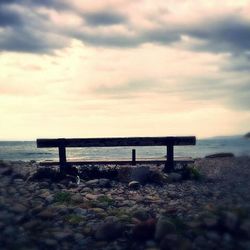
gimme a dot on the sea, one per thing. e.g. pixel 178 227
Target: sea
pixel 27 150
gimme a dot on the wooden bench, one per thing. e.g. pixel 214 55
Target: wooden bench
pixel 169 142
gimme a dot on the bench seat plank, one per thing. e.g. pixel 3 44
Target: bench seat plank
pixel 119 162
pixel 117 142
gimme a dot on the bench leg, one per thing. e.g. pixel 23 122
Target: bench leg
pixel 169 165
pixel 62 157
pixel 133 157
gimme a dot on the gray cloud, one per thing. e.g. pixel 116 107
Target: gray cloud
pixel 9 17
pixel 59 4
pixel 2 2
pixel 104 18
pixel 160 36
pixel 27 31
pixel 23 40
pixel 106 40
pixel 128 89
pixel 238 63
pixel 223 34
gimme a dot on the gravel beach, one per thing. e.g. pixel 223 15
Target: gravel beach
pixel 209 212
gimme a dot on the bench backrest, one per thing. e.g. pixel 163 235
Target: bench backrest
pixel 116 142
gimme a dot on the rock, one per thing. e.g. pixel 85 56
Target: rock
pixel 61 209
pixel 45 194
pixel 61 186
pixel 150 244
pixel 109 230
pixel 92 183
pixel 141 214
pixel 86 189
pixel 104 183
pixel 94 196
pixel 157 177
pixel 80 211
pixel 18 208
pixel 230 220
pixel 9 230
pixel 97 210
pixel 50 242
pixel 31 225
pixel 61 235
pixel 247 135
pixel 164 226
pixel 175 242
pixel 72 184
pixel 169 242
pixel 112 219
pixel 226 241
pixel 173 194
pixel 37 209
pixel 140 174
pixel 175 177
pixel 134 185
pixel 213 236
pixel 220 155
pixel 78 198
pixel 99 183
pixel 210 222
pixel 244 245
pixel 44 184
pixel 49 198
pixel 6 171
pixel 245 228
pixel 144 230
pixel 47 214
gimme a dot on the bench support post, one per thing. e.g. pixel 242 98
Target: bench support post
pixel 169 166
pixel 62 157
pixel 133 157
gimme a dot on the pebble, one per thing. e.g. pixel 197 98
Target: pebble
pixel 104 183
pixel 163 227
pixel 144 230
pixel 47 214
pixel 80 211
pixel 92 183
pixel 109 230
pixel 230 220
pixel 210 222
pixel 93 196
pixel 134 185
pixel 141 214
pixel 77 198
pixel 245 228
pixel 175 177
pixel 18 208
pixel 62 235
pixel 50 242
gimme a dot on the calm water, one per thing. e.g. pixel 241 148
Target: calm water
pixel 26 150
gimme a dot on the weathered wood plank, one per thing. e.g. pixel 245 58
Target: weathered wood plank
pixel 116 142
pixel 117 162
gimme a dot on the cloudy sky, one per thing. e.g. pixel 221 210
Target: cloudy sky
pixel 89 68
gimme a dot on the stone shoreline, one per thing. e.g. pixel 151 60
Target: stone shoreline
pixel 211 213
